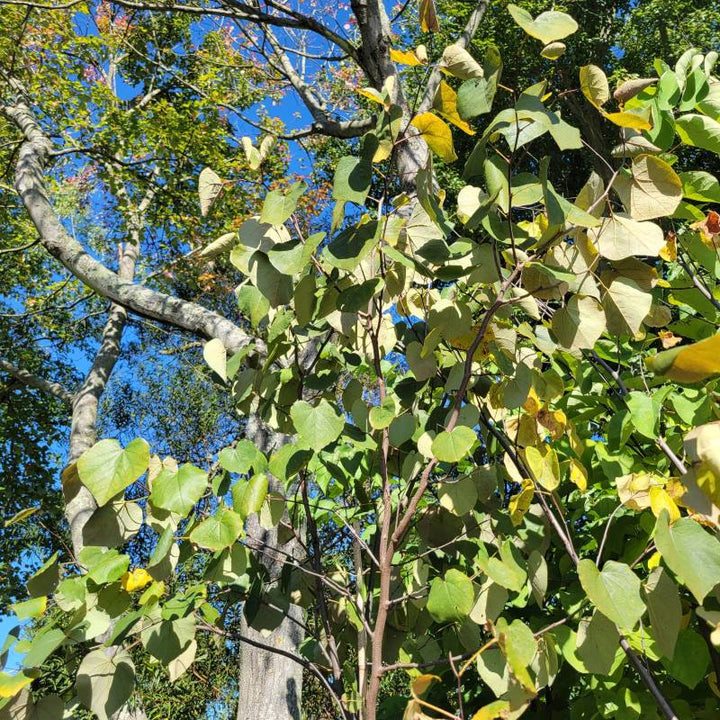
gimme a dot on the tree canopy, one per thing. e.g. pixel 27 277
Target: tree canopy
pixel 360 362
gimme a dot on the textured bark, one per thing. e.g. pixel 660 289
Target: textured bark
pixel 270 685
pixel 79 502
pixel 27 378
pixel 29 182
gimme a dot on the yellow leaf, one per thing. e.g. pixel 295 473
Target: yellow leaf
pixel 578 475
pixel 660 500
pixel 405 57
pixel 135 580
pixel 669 252
pixel 654 560
pixel 371 94
pixel 11 685
pixel 532 404
pixel 630 120
pixel 437 135
pixel 421 683
pixel 543 464
pixel 445 103
pixel 520 503
pixel 494 711
pixel 688 363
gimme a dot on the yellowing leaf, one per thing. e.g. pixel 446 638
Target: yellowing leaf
pixel 654 560
pixel 578 475
pixel 532 403
pixel 428 16
pixel 543 462
pixel 405 57
pixel 437 135
pixel 688 363
pixel 554 50
pixel 669 251
pixel 594 85
pixel 11 685
pixel 421 683
pixel 371 94
pixel 460 63
pixel 135 580
pixel 634 121
pixel 554 421
pixel 445 103
pixel 520 503
pixel 546 27
pixel 660 500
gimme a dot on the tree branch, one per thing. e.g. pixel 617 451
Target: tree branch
pixel 29 182
pixel 34 381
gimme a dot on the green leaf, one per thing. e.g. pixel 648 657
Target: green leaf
pixel 663 604
pixel 451 598
pixel 644 413
pixel 106 469
pixel 546 27
pixel 626 305
pixel 421 367
pixel 454 445
pixel 252 304
pixel 691 553
pixel 274 285
pixel 615 591
pixel 699 131
pixel 597 644
pixel 43 646
pixel 167 639
pixel 218 531
pixel 519 646
pixel 104 566
pixel 458 496
pixel 105 680
pixel 318 426
pixel 352 180
pixel 505 570
pixel 700 185
pixel 44 580
pixel 223 244
pixel 113 524
pixel 248 496
pixel 279 205
pixel 690 660
pixel 474 98
pixel 242 458
pixel 381 416
pixel 178 491
pixel 29 608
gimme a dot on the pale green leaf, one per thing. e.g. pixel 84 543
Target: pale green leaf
pixel 317 426
pixel 615 591
pixel 106 469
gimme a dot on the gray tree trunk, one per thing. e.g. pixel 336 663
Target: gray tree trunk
pixel 269 684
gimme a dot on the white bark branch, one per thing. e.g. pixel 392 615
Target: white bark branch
pixel 34 381
pixel 29 183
